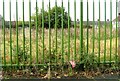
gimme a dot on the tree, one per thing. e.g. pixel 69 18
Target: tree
pixel 54 10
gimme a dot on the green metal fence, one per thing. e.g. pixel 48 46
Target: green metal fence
pixel 57 46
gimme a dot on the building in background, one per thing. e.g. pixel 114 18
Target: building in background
pixel 114 22
pixel 13 23
pixel 118 18
pixel 0 21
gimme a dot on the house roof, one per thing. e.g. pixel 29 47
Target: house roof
pixel 117 18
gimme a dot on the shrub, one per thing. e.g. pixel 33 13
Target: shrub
pixel 58 10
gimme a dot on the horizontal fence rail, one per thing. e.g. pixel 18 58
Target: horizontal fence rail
pixel 52 37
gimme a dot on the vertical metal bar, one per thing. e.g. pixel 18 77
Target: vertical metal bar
pixel 118 30
pixel 105 33
pixel 36 32
pixel 10 33
pixel 99 36
pixel 49 39
pixel 23 25
pixel 62 47
pixel 118 36
pixel 81 29
pixel 3 24
pixel 56 29
pixel 68 30
pixel 87 27
pixel 93 31
pixel 30 31
pixel 17 32
pixel 43 30
pixel 116 33
pixel 74 29
pixel 110 29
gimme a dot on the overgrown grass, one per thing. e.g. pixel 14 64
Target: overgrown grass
pixel 56 55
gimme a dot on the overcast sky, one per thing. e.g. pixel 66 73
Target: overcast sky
pixel 33 2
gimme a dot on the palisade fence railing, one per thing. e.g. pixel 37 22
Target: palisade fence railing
pixel 34 44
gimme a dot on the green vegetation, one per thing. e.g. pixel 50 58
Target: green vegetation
pixel 90 59
pixel 53 55
pixel 20 23
pixel 58 11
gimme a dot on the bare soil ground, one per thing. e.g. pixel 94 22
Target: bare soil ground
pixel 59 74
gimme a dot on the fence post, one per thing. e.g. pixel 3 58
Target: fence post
pixel 3 29
pixel 118 34
pixel 81 67
pixel 0 50
pixel 119 41
pixel 119 46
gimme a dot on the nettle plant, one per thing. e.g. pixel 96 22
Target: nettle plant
pixel 88 61
pixel 22 55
